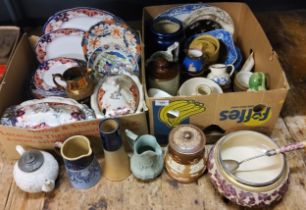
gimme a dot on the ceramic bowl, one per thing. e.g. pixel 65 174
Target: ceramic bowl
pixel 117 95
pixel 241 81
pixel 256 183
pixel 199 86
pixel 158 93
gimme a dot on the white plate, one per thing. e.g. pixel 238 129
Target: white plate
pixel 60 43
pixel 79 18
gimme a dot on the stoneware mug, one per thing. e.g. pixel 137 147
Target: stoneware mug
pixel 82 167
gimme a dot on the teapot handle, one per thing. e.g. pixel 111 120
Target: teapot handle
pixel 232 69
pixel 20 149
pixel 56 83
pixel 48 186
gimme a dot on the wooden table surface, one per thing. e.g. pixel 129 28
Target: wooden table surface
pixel 287 33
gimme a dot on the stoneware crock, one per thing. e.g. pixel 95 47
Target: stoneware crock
pixel 35 171
pixel 184 160
pixel 256 183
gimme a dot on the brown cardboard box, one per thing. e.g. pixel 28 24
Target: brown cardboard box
pixel 234 110
pixel 9 36
pixel 12 92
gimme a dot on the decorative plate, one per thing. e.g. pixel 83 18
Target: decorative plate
pixel 111 32
pixel 79 18
pixel 117 95
pixel 112 58
pixel 45 113
pixel 60 43
pixel 211 13
pixel 228 53
pixel 182 12
pixel 42 80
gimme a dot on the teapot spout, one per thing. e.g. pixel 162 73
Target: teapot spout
pixel 48 186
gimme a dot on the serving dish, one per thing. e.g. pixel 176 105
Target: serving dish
pixel 45 113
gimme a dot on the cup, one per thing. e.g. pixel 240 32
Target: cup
pixel 117 164
pixel 81 165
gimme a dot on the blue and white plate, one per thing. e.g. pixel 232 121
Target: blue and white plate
pixel 226 56
pixel 111 59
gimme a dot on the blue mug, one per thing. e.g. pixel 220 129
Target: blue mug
pixel 193 62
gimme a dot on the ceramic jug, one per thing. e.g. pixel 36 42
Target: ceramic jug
pixel 147 159
pixel 76 81
pixel 164 75
pixel 82 167
pixel 35 171
pixel 221 74
pixel 193 62
pixel 117 165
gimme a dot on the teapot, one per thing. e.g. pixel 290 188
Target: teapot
pixel 35 171
pixel 147 160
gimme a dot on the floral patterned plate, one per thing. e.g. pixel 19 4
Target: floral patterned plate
pixel 117 95
pixel 60 43
pixel 111 32
pixel 79 18
pixel 112 58
pixel 42 81
pixel 45 113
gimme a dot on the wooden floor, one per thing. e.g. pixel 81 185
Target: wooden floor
pixel 287 33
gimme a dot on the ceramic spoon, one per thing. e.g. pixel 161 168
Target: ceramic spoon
pixel 233 165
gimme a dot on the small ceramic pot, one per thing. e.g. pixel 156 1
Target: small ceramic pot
pixel 165 31
pixel 184 160
pixel 82 167
pixel 256 183
pixel 193 62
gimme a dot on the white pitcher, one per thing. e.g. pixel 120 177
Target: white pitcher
pixel 221 74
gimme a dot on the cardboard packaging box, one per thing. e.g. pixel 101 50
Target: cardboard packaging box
pixel 13 91
pixel 223 113
pixel 9 36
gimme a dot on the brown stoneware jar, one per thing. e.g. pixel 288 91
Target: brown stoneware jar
pixel 185 158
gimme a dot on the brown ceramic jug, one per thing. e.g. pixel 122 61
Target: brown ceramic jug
pixel 185 158
pixel 164 75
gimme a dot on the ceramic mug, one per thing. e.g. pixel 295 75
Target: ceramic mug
pixel 82 167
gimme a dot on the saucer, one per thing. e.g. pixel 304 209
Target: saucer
pixel 60 43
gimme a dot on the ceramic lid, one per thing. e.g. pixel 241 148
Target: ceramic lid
pixel 31 161
pixel 187 141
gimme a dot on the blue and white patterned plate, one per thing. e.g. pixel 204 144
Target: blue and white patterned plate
pixel 229 54
pixel 111 59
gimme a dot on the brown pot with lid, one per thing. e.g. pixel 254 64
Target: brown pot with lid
pixel 185 158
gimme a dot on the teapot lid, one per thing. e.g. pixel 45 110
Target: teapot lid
pixel 31 161
pixel 187 140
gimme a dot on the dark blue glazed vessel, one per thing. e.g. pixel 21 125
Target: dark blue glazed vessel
pixel 165 31
pixel 109 133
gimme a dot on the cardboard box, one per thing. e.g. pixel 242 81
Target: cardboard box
pixel 233 110
pixel 9 36
pixel 13 91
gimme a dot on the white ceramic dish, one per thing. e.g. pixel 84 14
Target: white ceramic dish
pixel 45 113
pixel 43 80
pixel 245 144
pixel 111 32
pixel 79 18
pixel 191 86
pixel 60 43
pixel 117 95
